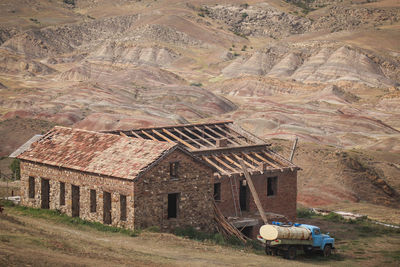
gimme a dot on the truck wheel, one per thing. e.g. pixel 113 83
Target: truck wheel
pixel 274 251
pixel 308 251
pixel 327 250
pixel 291 253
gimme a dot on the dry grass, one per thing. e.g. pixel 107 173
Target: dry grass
pixel 28 239
pixel 43 238
pixel 359 243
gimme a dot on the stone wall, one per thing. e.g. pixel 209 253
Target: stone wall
pixel 147 197
pixel 195 188
pixel 283 202
pixel 86 182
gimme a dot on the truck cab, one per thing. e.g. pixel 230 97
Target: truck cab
pixel 320 241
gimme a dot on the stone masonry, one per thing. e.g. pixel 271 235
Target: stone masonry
pixel 147 197
pixel 194 186
pixel 85 181
pixel 117 180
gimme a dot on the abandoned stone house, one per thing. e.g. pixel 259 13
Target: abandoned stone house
pixel 162 176
pixel 222 145
pixel 117 180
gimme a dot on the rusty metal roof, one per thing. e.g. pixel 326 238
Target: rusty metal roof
pixel 100 153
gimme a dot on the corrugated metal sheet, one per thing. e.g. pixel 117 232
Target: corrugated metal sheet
pixel 101 153
pixel 25 146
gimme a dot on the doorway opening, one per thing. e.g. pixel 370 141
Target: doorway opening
pixel 247 231
pixel 243 197
pixel 173 205
pixel 45 195
pixel 107 208
pixel 75 200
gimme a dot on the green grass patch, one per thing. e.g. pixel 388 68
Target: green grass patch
pixel 334 217
pixel 57 216
pixel 395 255
pixel 196 84
pixel 305 213
pixel 216 238
pixel 192 233
pixel 152 229
pixel 5 238
pixel 303 4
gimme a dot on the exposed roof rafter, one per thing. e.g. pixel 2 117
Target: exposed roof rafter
pixel 204 141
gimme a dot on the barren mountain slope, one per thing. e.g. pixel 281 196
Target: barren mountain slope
pixel 325 71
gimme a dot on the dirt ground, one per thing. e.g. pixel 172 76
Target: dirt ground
pixel 39 242
pixel 27 240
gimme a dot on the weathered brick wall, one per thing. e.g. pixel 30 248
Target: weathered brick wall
pixel 284 202
pixel 86 182
pixel 226 205
pixel 195 186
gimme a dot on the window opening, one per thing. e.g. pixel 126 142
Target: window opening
pixel 272 186
pixel 173 170
pixel 31 187
pixel 93 202
pixel 122 202
pixel 217 191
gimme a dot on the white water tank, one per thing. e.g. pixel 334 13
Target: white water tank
pixel 273 232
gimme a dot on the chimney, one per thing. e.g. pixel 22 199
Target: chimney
pixel 263 166
pixel 223 142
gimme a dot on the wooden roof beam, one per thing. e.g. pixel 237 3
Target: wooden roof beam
pixel 231 161
pixel 150 136
pixel 179 139
pixel 188 137
pixel 254 192
pixel 224 163
pixel 248 164
pixel 220 135
pixel 267 156
pixel 228 133
pixel 216 166
pixel 163 136
pixel 179 126
pixel 136 135
pixel 251 158
pixel 205 133
pixel 275 158
pixel 198 136
pixel 264 159
pixel 256 161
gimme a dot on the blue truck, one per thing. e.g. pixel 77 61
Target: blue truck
pixel 286 240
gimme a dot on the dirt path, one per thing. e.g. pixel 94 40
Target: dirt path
pixel 25 240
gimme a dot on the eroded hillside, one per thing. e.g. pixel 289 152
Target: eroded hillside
pixel 324 71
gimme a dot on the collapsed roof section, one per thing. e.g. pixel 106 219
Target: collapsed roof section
pixel 198 137
pixel 220 144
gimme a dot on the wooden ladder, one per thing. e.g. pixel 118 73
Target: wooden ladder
pixel 235 195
